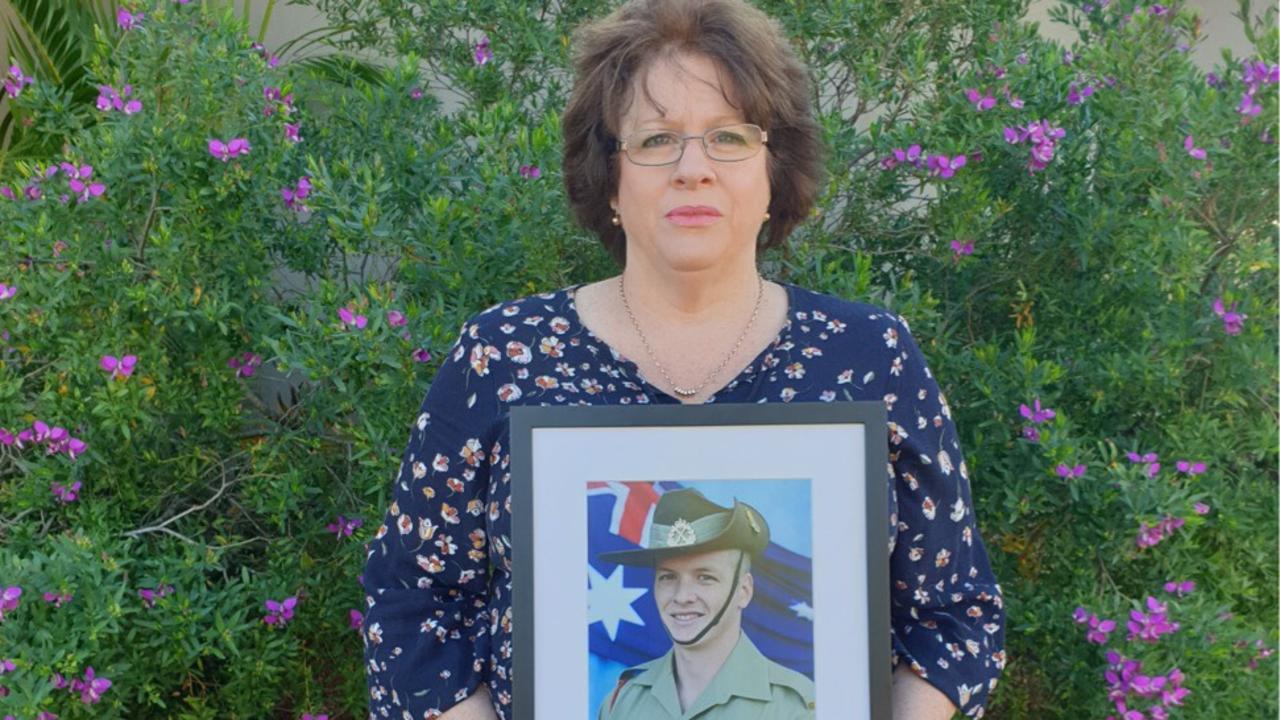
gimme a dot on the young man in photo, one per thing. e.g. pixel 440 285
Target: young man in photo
pixel 702 556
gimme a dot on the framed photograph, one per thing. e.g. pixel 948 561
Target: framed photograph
pixel 669 560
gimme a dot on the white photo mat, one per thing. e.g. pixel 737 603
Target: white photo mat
pixel 833 456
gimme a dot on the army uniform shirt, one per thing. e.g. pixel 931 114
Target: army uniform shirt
pixel 749 686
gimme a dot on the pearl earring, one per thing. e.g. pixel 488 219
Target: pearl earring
pixel 616 220
pixel 767 216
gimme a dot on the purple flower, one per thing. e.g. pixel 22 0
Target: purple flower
pixel 1066 471
pixel 262 51
pixel 9 598
pixel 482 52
pixel 422 355
pixel 7 666
pixel 224 151
pixel 291 132
pixel 416 93
pixel 356 619
pixel 1153 467
pixel 128 20
pixel 58 599
pixel 91 687
pixel 1191 468
pixel 78 181
pixel 1022 59
pixel 7 291
pixel 1248 106
pixel 1192 150
pixel 1014 101
pixel 1099 629
pixel 1068 57
pixel 109 99
pixel 1037 414
pixel 279 613
pixel 911 155
pixel 1043 138
pixel 1031 434
pixel 1152 535
pixel 1180 588
pixel 244 364
pixel 150 595
pixel 1158 10
pixel 1232 321
pixel 1257 73
pixel 350 319
pixel 16 81
pixel 961 248
pixel 294 197
pixel 1212 80
pixel 530 172
pixel 66 493
pixel 1201 508
pixel 943 166
pixel 119 368
pixel 309 716
pixel 1075 95
pixel 344 527
pixel 395 318
pixel 1149 626
pixel 980 101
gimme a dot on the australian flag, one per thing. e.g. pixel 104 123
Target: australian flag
pixel 625 629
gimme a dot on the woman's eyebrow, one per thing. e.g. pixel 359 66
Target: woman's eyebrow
pixel 717 121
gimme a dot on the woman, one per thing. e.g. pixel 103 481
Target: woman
pixel 689 144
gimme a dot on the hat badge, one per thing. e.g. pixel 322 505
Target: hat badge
pixel 681 534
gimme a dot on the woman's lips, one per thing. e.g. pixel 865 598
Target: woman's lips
pixel 693 216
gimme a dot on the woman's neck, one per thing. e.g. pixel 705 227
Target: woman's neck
pixel 693 297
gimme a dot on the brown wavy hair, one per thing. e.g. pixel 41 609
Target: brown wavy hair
pixel 769 85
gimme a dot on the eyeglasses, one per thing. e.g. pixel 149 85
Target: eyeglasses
pixel 731 143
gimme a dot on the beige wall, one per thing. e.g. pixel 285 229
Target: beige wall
pixel 1219 28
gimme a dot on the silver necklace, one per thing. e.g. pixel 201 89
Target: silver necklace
pixel 687 392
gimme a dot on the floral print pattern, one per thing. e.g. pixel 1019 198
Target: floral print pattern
pixel 438 573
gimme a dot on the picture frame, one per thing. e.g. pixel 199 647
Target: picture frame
pixel 588 484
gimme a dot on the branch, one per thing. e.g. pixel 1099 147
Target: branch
pixel 163 526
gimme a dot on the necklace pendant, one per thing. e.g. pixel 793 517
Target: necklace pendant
pixel 682 392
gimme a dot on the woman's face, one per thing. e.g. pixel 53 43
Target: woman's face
pixel 650 198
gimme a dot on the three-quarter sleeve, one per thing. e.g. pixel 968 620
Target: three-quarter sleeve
pixel 426 577
pixel 947 609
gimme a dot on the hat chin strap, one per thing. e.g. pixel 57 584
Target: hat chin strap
pixel 737 571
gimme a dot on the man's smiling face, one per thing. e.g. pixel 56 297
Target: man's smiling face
pixel 690 589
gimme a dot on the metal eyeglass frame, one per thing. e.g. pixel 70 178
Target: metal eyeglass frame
pixel 621 145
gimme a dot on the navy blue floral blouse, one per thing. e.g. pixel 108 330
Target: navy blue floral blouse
pixel 438 575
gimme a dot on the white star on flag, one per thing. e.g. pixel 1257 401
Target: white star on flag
pixel 609 602
pixel 802 610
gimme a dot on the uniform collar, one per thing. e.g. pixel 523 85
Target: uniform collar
pixel 745 674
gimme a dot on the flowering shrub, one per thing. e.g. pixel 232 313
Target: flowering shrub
pixel 225 299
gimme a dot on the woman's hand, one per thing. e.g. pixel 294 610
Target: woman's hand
pixel 917 699
pixel 476 707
